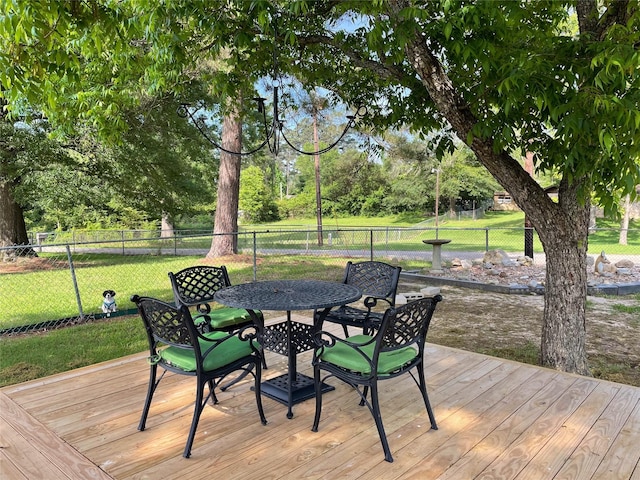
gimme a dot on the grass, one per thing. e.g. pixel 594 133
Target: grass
pixel 24 358
pixel 601 367
pixel 127 275
pixel 527 353
pixel 626 308
pixel 498 230
pixel 34 356
pixel 134 274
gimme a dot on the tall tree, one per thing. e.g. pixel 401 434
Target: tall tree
pixel 25 149
pixel 225 225
pixel 504 77
pixel 97 60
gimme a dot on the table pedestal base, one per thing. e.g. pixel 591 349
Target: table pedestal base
pixel 301 389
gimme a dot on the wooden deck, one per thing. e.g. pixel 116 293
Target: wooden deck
pixel 497 420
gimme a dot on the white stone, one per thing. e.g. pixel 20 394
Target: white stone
pixel 401 300
pixel 456 262
pixel 525 261
pixel 430 291
pixel 495 256
pixel 624 263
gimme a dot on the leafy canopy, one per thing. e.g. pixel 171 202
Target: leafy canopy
pixel 525 81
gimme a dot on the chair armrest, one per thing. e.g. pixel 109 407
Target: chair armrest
pixel 371 302
pixel 248 333
pixel 325 339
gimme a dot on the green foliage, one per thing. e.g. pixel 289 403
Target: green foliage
pixel 299 206
pixel 25 150
pixel 522 78
pixel 256 199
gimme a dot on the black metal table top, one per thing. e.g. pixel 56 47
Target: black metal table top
pixel 287 295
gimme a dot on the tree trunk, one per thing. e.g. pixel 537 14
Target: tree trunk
pixel 452 207
pixel 166 227
pixel 564 320
pixel 13 230
pixel 225 226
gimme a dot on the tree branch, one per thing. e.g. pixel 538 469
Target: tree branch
pixel 455 109
pixel 591 22
pixel 385 71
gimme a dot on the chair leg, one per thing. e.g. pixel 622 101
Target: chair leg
pixel 235 380
pixel 257 389
pixel 318 388
pixel 365 391
pixel 425 397
pixel 153 369
pixel 242 375
pixel 375 404
pixel 196 417
pixel 346 330
pixel 212 389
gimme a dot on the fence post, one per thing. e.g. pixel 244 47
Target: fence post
pixel 255 259
pixel 371 245
pixel 386 241
pixel 122 239
pixel 75 282
pixel 486 239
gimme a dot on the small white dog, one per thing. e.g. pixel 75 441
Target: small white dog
pixel 109 302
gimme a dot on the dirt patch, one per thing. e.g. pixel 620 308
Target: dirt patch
pixel 28 264
pixel 510 326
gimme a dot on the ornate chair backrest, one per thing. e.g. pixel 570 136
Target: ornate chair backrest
pixel 374 279
pixel 197 285
pixel 406 325
pixel 166 324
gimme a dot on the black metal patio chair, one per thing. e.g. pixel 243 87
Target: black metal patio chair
pixel 196 286
pixel 362 361
pixel 177 345
pixel 378 282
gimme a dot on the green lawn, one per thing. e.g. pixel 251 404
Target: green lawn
pixel 43 294
pixel 496 230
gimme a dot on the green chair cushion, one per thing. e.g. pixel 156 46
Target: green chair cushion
pixel 220 318
pixel 347 357
pixel 228 351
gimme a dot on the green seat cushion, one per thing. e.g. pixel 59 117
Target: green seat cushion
pixel 228 351
pixel 347 357
pixel 220 318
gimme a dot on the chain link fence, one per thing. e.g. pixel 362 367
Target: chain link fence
pixel 62 282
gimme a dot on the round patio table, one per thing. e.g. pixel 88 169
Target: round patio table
pixel 289 337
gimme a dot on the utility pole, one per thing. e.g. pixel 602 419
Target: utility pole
pixel 437 193
pixel 316 144
pixel 528 228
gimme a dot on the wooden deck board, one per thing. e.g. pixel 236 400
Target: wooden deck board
pixel 497 420
pixel 30 450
